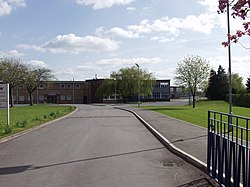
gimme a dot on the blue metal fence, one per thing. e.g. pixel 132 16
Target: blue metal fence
pixel 228 151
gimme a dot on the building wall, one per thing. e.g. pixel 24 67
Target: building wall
pixel 161 91
pixel 60 92
pixel 81 92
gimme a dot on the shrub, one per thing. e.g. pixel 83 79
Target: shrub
pixel 21 124
pixel 242 100
pixel 36 119
pixel 7 129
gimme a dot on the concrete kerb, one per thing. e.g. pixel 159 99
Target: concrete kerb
pixel 2 140
pixel 187 157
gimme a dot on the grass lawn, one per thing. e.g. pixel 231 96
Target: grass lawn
pixel 24 117
pixel 198 115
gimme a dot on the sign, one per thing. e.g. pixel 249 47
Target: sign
pixel 4 100
pixel 4 95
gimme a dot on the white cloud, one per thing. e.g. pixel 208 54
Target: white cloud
pixel 89 69
pixel 169 27
pixel 74 44
pixel 212 5
pixel 99 4
pixel 162 39
pixel 131 10
pixel 118 62
pixel 123 33
pixel 6 6
pixel 37 63
pixel 240 64
pixel 11 53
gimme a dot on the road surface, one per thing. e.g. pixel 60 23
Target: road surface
pixel 97 146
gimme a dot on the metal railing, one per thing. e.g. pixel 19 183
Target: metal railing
pixel 228 150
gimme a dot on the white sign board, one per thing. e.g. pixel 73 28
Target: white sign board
pixel 4 100
pixel 4 95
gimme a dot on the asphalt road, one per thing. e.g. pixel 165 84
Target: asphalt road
pixel 97 146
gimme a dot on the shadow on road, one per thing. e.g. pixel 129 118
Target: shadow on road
pixel 203 182
pixel 19 169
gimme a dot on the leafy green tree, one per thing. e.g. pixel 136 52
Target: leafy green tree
pixel 34 77
pixel 248 85
pixel 237 84
pixel 222 83
pixel 12 72
pixel 191 73
pixel 218 84
pixel 125 81
pixel 212 88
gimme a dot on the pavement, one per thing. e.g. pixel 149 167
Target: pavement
pixel 187 140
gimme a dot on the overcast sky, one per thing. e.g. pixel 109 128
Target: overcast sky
pixel 80 38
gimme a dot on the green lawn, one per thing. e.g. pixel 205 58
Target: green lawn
pixel 198 115
pixel 24 117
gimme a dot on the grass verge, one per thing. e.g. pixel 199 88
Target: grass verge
pixel 198 115
pixel 25 117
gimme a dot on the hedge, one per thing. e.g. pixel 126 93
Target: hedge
pixel 242 100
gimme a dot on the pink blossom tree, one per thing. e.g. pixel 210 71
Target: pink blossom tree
pixel 240 8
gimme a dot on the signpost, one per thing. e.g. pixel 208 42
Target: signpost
pixel 4 100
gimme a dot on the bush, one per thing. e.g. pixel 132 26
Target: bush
pixel 36 119
pixel 21 124
pixel 51 114
pixel 7 129
pixel 242 100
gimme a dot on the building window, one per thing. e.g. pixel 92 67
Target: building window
pixel 77 86
pixel 156 95
pixel 41 97
pixel 164 95
pixel 62 86
pixel 164 84
pixel 69 97
pixel 41 86
pixel 62 97
pixel 68 86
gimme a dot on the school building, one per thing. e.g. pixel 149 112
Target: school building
pixel 80 92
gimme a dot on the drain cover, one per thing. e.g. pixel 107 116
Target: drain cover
pixel 169 164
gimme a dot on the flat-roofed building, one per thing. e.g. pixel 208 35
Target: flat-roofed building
pixel 60 92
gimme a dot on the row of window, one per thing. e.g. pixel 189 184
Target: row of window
pixel 69 86
pixel 162 85
pixel 62 86
pixel 157 96
pixel 42 98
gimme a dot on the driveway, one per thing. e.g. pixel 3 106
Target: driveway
pixel 95 146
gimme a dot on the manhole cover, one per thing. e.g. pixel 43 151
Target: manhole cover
pixel 169 164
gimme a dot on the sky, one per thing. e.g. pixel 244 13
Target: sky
pixel 81 39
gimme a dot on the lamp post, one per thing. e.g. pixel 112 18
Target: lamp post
pixel 229 60
pixel 230 128
pixel 138 84
pixel 115 89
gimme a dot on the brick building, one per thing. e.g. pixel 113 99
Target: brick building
pixel 61 92
pixel 81 92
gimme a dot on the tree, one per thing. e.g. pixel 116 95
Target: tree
pixel 248 85
pixel 125 81
pixel 240 8
pixel 33 79
pixel 237 84
pixel 12 72
pixel 212 86
pixel 223 83
pixel 191 73
pixel 218 84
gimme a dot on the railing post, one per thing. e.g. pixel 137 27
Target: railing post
pixel 208 144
